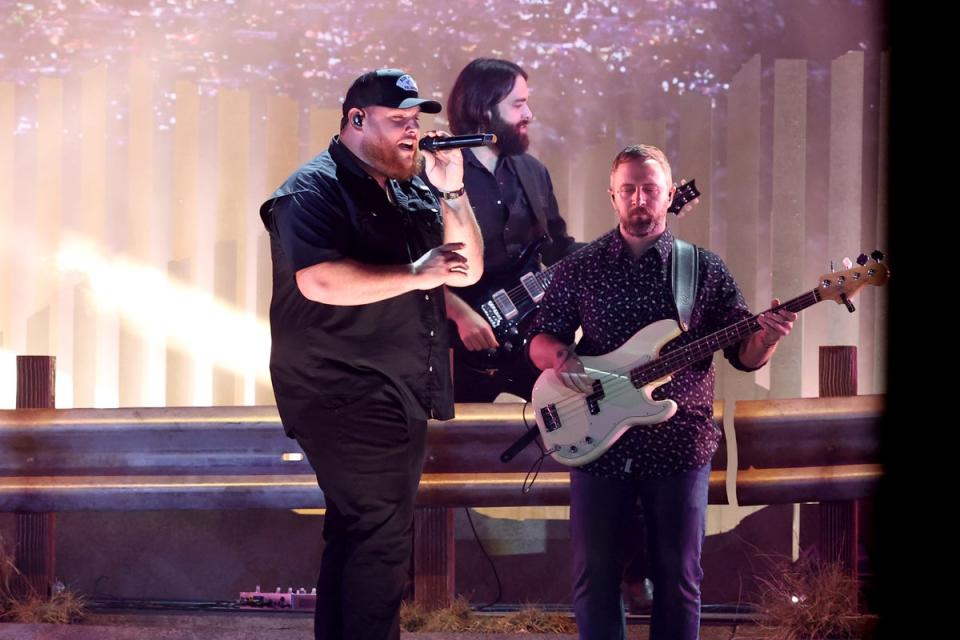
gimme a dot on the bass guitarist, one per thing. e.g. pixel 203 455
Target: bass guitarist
pixel 611 289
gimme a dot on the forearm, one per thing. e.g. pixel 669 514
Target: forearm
pixel 754 353
pixel 457 307
pixel 347 282
pixel 460 225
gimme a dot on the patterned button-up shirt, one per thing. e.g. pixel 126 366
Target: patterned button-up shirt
pixel 612 295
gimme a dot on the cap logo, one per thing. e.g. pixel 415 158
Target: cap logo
pixel 406 83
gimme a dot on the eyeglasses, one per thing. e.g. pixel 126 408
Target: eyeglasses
pixel 627 191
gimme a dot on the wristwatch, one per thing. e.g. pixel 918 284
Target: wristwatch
pixel 453 195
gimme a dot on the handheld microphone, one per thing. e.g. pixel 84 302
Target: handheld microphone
pixel 436 143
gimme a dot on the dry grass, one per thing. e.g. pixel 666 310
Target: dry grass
pixel 8 571
pixel 412 617
pixel 532 620
pixel 64 607
pixel 808 600
pixel 459 618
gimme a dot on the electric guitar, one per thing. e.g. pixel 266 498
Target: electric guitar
pixel 510 311
pixel 578 428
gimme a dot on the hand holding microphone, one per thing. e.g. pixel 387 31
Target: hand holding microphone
pixel 439 143
pixel 443 161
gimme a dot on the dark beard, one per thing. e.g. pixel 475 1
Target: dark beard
pixel 510 141
pixel 388 162
pixel 639 227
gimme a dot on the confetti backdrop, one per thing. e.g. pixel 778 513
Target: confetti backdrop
pixel 581 54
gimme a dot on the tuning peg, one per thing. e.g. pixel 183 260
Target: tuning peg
pixel 847 303
pixel 877 255
pixel 847 263
pixel 862 259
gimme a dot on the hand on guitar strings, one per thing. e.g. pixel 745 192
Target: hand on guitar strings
pixel 775 325
pixel 571 373
pixel 475 332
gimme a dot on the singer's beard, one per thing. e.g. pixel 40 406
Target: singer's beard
pixel 510 141
pixel 388 161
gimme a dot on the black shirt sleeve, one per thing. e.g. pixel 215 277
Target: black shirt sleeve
pixel 313 228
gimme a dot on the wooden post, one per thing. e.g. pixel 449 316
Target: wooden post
pixel 839 522
pixel 433 558
pixel 34 537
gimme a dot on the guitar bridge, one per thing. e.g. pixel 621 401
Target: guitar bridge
pixel 490 312
pixel 551 419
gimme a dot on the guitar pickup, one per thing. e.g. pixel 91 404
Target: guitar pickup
pixel 532 284
pixel 593 400
pixel 505 304
pixel 551 419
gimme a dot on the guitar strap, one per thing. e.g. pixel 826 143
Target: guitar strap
pixel 684 261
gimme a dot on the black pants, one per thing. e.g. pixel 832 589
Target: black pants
pixel 474 385
pixel 368 457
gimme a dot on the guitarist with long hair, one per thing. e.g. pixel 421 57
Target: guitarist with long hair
pixel 512 197
pixel 612 289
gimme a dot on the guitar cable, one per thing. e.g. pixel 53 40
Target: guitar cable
pixel 538 463
pixel 493 567
pixel 527 486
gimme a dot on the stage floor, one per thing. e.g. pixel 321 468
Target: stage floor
pixel 262 625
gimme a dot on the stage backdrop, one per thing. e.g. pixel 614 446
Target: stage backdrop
pixel 138 138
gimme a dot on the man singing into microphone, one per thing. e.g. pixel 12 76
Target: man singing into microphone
pixel 361 250
pixel 512 195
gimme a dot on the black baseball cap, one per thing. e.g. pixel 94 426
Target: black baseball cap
pixel 392 88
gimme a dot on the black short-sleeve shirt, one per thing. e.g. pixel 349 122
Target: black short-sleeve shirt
pixel 330 355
